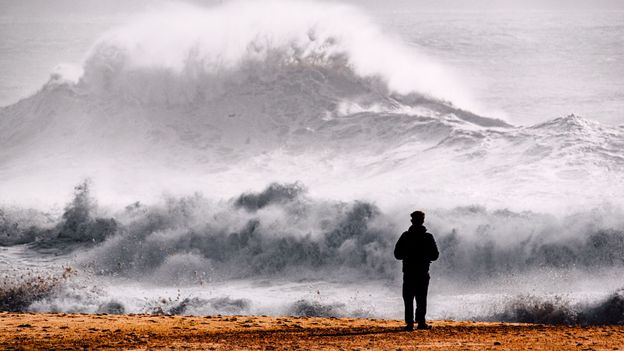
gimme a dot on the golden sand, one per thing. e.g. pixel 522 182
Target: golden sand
pixel 30 331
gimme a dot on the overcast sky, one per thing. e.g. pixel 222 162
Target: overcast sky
pixel 111 7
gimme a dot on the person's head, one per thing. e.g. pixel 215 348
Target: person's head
pixel 418 217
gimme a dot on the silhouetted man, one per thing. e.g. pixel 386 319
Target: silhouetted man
pixel 417 249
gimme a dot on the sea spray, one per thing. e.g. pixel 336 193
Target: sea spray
pixel 185 56
pixel 282 230
pixel 19 288
pixel 283 234
pixel 608 310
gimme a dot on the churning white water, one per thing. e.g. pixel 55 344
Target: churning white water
pixel 263 158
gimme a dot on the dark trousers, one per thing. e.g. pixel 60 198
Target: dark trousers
pixel 415 286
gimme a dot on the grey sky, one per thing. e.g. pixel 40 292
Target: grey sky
pixel 112 7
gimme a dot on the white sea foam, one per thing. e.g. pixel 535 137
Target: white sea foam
pixel 226 100
pixel 282 252
pixel 187 43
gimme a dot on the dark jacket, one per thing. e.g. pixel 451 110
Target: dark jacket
pixel 417 249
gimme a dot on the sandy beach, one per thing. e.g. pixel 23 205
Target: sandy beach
pixel 27 331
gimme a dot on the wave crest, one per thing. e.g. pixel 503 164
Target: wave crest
pixel 185 54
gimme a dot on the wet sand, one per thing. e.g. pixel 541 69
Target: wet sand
pixel 29 331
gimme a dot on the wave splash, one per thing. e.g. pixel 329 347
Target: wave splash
pixel 193 95
pixel 312 96
pixel 559 310
pixel 283 231
pixel 186 54
pixel 203 99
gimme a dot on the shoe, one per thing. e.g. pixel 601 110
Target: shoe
pixel 423 327
pixel 408 327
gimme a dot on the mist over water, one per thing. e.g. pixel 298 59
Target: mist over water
pixel 223 256
pixel 264 159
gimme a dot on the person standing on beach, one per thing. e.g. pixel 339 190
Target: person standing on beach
pixel 416 248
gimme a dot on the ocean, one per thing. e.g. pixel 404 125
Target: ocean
pixel 264 158
pixel 524 66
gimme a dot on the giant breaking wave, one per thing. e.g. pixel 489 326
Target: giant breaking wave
pixel 218 101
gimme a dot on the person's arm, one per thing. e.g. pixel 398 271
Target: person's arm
pixel 433 249
pixel 399 249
